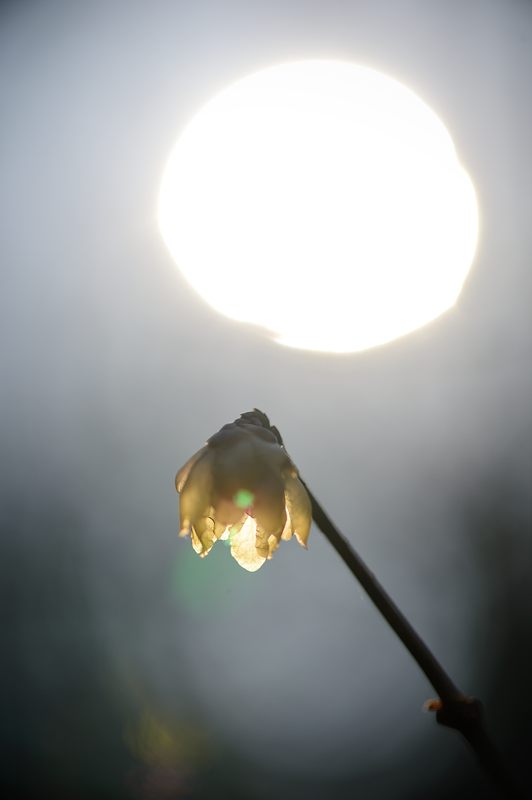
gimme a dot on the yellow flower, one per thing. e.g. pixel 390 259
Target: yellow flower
pixel 243 487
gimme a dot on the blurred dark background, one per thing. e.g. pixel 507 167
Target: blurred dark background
pixel 131 668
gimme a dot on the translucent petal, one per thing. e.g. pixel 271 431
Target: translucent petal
pixel 222 531
pixel 273 544
pixel 182 475
pixel 269 507
pixel 236 466
pixel 244 460
pixel 196 544
pixel 287 530
pixel 299 509
pixel 195 498
pixel 227 513
pixel 243 546
pixel 261 542
pixel 204 529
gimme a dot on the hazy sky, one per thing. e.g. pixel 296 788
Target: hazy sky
pixel 113 372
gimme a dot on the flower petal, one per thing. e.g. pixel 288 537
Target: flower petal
pixel 222 531
pixel 227 513
pixel 195 498
pixel 184 472
pixel 204 530
pixel 287 530
pixel 261 542
pixel 299 509
pixel 196 544
pixel 243 546
pixel 244 459
pixel 273 544
pixel 269 507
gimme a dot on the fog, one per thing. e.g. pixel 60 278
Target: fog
pixel 131 667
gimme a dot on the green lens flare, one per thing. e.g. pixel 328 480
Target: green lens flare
pixel 243 498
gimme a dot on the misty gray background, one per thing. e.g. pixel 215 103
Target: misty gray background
pixel 131 667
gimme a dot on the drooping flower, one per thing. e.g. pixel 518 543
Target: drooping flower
pixel 243 487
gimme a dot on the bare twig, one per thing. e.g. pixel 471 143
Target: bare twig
pixel 453 708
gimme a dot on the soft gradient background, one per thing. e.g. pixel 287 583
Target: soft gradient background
pixel 131 669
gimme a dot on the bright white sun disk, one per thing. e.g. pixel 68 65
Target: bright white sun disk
pixel 323 201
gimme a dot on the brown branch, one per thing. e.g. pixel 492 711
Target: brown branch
pixel 453 709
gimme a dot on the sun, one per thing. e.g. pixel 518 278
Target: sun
pixel 323 201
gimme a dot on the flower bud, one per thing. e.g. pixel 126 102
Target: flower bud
pixel 243 488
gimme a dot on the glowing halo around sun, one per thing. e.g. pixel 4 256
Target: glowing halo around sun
pixel 323 201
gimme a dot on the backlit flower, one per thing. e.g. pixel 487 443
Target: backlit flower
pixel 242 487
